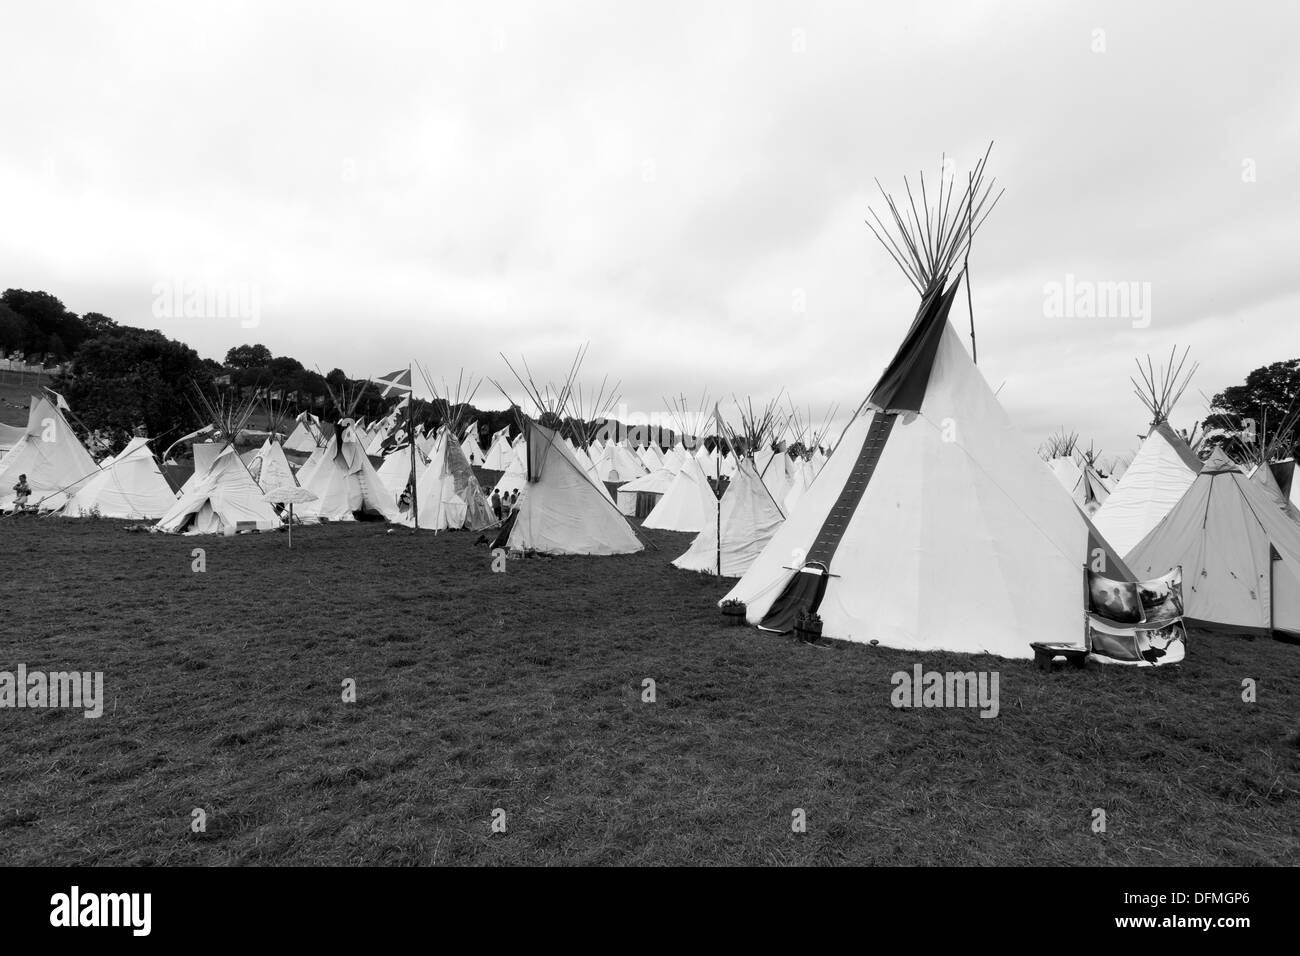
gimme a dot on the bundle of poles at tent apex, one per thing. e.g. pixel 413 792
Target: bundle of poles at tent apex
pixel 931 247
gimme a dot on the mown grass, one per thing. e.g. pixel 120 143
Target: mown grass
pixel 522 691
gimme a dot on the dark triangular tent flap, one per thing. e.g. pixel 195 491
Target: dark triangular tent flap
pixel 902 387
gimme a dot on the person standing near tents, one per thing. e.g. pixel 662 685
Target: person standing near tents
pixel 21 491
pixel 496 503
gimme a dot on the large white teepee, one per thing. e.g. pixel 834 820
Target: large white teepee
pixel 222 498
pixel 934 526
pixel 1161 472
pixel 1239 553
pixel 129 485
pixel 50 455
pixel 345 483
pixel 562 512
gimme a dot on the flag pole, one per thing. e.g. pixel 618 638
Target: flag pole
pixel 410 435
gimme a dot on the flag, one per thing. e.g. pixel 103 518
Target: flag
pixel 222 380
pixel 395 383
pixel 277 395
pixel 59 402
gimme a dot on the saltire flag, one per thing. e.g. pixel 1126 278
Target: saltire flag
pixel 395 383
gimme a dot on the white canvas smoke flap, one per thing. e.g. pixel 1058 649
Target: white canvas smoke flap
pixel 50 455
pixel 1239 553
pixel 934 526
pixel 224 497
pixel 562 512
pixel 131 485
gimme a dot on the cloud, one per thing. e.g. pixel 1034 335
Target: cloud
pixel 681 185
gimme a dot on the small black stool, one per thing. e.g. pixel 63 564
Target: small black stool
pixel 1045 653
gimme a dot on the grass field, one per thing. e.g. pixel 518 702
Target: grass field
pixel 522 691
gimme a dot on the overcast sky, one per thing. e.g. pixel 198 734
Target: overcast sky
pixel 668 181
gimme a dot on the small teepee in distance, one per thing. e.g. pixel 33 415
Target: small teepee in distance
pixel 933 526
pixel 448 496
pixel 1164 467
pixel 221 496
pixel 561 509
pixel 747 516
pixel 343 479
pixel 689 502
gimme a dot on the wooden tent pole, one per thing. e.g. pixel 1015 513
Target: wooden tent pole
pixel 410 436
pixel 970 238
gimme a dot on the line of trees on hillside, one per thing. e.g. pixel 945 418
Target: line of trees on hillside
pixel 121 377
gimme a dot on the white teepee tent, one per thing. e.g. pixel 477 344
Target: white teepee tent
pixel 50 455
pixel 470 447
pixel 1239 553
pixel 270 468
pixel 130 485
pixel 562 512
pixel 1161 472
pixel 739 526
pixel 307 435
pixel 345 483
pixel 563 509
pixel 687 503
pixel 395 472
pixel 638 497
pixel 500 454
pixel 223 498
pixel 447 493
pixel 934 526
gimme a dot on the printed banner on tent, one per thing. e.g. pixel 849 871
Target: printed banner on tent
pixel 1137 622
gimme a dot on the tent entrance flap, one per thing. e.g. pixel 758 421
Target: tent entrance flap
pixel 803 594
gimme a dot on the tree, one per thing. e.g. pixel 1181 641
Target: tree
pixel 13 328
pixel 133 376
pixel 45 315
pixel 1270 394
pixel 248 356
pixel 97 324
